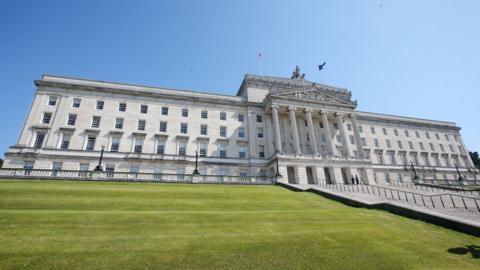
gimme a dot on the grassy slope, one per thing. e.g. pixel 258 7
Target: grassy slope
pixel 81 225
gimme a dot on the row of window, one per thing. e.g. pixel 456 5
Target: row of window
pixel 411 146
pixel 425 159
pixel 122 107
pixel 406 132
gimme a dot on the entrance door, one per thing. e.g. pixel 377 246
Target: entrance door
pixel 344 176
pixel 310 179
pixel 291 175
pixel 328 180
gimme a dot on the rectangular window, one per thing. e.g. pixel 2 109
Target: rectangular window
pixel 182 148
pixel 96 121
pixel 203 149
pixel 110 170
pixel 223 150
pixel 115 144
pixel 138 146
pixel 47 116
pixel 337 137
pixel 259 118
pixel 432 148
pixel 184 112
pixel 388 143
pixel 143 108
pixel 241 117
pixel 163 126
pixel 306 123
pixel 76 103
pixel 260 132
pixel 39 140
pixel 417 134
pixel 427 135
pixel 204 114
pixel 241 132
pixel 141 124
pixel 349 127
pixel 56 166
pixel 455 137
pixel 384 130
pixel 421 146
pixel 352 139
pixel 442 148
pixel 100 104
pixel 28 166
pixel 223 116
pixel 410 144
pixel 164 110
pixel 395 132
pixel 161 147
pixel 375 142
pixel 134 169
pixel 364 142
pixel 460 149
pixel 84 168
pixel 261 151
pixel 451 148
pixel 321 124
pixel 372 130
pixel 119 123
pixel 242 151
pixel 400 144
pixel 65 141
pixel 183 128
pixel 72 118
pixel 203 129
pixel 122 106
pixel 446 137
pixel 52 100
pixel 223 131
pixel 323 138
pixel 437 136
pixel 335 126
pixel 407 133
pixel 90 143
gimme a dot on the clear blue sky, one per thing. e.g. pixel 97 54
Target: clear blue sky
pixel 410 58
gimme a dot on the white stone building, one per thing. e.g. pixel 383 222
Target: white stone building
pixel 313 130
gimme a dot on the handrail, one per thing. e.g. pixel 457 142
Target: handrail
pixel 422 186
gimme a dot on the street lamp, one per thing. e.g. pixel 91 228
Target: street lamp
pixel 99 167
pixel 415 177
pixel 196 172
pixel 278 171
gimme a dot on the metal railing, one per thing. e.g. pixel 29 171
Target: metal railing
pixel 451 201
pixel 420 185
pixel 132 177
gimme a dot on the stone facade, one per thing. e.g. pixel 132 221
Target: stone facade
pixel 311 132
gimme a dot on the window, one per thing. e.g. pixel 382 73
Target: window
pixel 76 103
pixel 460 149
pixel 90 143
pixel 141 124
pixel 183 128
pixel 395 132
pixel 72 118
pixel 56 166
pixel 223 131
pixel 241 132
pixel 427 135
pixel 337 137
pixel 96 121
pixel 455 137
pixel 259 118
pixel 115 144
pixel 110 169
pixel 223 116
pixel 65 141
pixel 410 144
pixel 28 166
pixel 83 168
pixel 372 130
pixel 164 110
pixel 421 146
pixel 163 126
pixel 364 142
pixel 39 140
pixel 52 100
pixel 323 137
pixel 442 148
pixel 137 149
pixel 407 133
pixel 384 130
pixel 437 136
pixel 432 148
pixel 400 144
pixel 100 104
pixel 134 170
pixel 375 142
pixel 184 112
pixel 417 134
pixel 446 137
pixel 119 123
pixel 379 157
pixel 242 174
pixel 349 127
pixel 451 148
pixel 47 116
pixel 122 107
pixel 203 149
pixel 261 151
pixel 241 117
pixel 335 126
pixel 182 148
pixel 203 129
pixel 306 123
pixel 388 143
pixel 223 150
pixel 161 147
pixel 204 114
pixel 360 128
pixel 242 151
pixel 260 132
pixel 143 108
pixel 352 140
pixel 321 124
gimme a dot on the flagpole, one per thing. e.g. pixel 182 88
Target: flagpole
pixel 260 63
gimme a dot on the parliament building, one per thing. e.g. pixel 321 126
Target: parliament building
pixel 298 130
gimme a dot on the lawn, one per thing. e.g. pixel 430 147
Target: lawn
pixel 93 225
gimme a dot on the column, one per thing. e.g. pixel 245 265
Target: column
pixel 276 129
pixel 311 130
pixel 330 146
pixel 293 122
pixel 343 136
pixel 358 139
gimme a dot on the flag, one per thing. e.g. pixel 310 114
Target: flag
pixel 320 67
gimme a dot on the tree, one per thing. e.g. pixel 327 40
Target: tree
pixel 475 159
pixel 1 163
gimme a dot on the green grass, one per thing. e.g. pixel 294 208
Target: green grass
pixel 86 225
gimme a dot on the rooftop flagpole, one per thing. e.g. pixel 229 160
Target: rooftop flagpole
pixel 260 58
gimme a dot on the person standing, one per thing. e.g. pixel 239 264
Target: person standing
pixel 357 180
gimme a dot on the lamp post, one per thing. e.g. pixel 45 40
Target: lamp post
pixel 99 166
pixel 460 178
pixel 278 171
pixel 415 177
pixel 196 172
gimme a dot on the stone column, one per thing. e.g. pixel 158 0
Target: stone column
pixel 343 136
pixel 293 122
pixel 311 130
pixel 330 146
pixel 276 129
pixel 358 139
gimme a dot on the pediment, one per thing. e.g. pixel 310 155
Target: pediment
pixel 316 95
